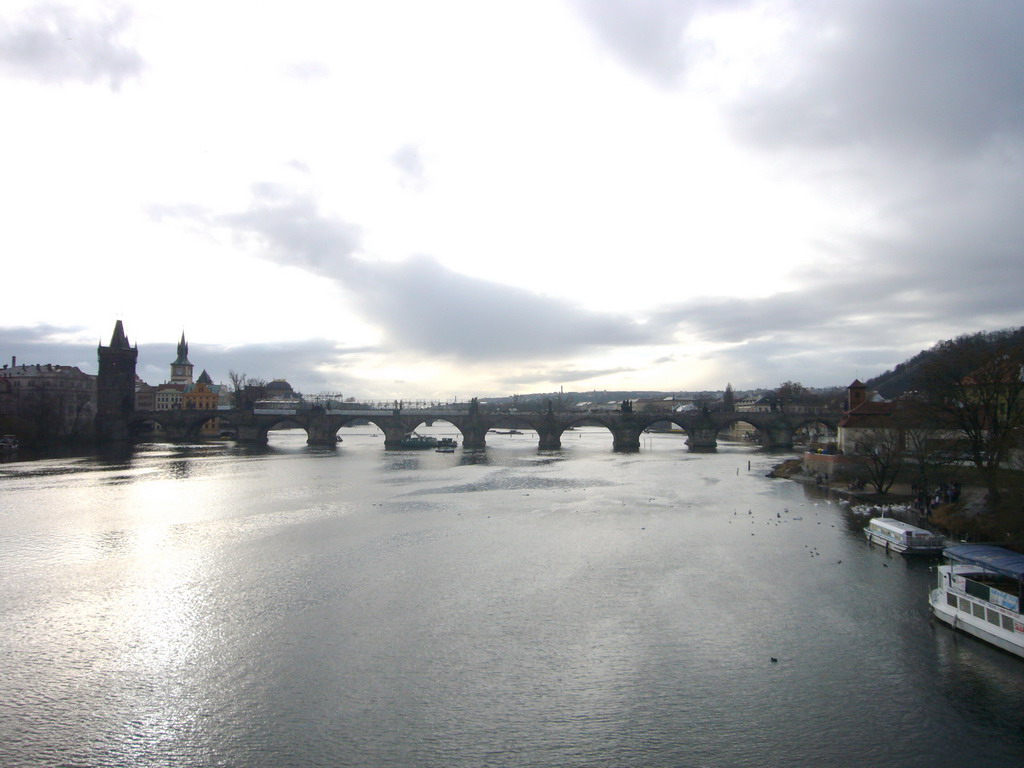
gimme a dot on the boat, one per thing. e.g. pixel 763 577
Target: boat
pixel 979 592
pixel 904 538
pixel 418 442
pixel 8 444
pixel 446 445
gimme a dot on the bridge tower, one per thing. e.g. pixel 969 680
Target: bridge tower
pixel 115 387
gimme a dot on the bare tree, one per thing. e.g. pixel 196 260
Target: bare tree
pixel 791 390
pixel 883 455
pixel 238 382
pixel 975 384
pixel 930 450
pixel 245 389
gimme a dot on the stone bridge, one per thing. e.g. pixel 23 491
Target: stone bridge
pixel 775 429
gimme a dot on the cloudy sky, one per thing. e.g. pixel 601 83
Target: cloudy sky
pixel 438 199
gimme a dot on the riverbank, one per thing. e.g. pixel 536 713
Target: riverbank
pixel 965 520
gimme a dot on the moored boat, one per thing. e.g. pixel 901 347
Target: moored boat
pixel 903 537
pixel 8 444
pixel 418 442
pixel 446 445
pixel 979 592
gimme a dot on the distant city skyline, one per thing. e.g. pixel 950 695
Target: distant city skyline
pixel 456 199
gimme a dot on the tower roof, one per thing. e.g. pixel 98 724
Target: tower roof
pixel 119 340
pixel 182 358
pixel 204 378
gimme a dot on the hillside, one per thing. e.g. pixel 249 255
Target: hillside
pixel 908 375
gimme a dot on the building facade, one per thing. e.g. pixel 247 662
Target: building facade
pixel 42 403
pixel 202 395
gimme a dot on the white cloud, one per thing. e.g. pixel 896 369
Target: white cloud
pixel 479 197
pixel 53 43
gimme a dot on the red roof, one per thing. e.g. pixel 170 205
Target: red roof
pixel 869 414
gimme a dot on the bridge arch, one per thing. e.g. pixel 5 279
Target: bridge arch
pixel 203 424
pixel 518 421
pixel 286 422
pixel 603 425
pixel 351 421
pixel 146 429
pixel 740 426
pixel 699 434
pixel 815 432
pixel 438 424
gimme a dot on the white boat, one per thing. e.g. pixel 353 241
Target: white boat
pixel 903 537
pixel 979 592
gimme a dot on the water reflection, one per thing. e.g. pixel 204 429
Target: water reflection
pixel 399 462
pixel 474 456
pixel 109 543
pixel 974 680
pixel 285 606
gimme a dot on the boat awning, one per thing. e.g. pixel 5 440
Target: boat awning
pixel 996 559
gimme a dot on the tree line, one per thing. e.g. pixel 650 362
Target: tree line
pixel 961 402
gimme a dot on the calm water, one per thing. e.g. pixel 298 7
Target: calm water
pixel 212 605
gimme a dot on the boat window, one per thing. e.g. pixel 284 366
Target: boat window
pixel 977 589
pixel 951 599
pixel 978 610
pixel 965 605
pixel 1008 623
pixel 993 617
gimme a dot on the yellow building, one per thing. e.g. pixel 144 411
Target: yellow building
pixel 202 395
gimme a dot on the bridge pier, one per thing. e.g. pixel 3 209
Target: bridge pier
pixel 550 437
pixel 393 433
pixel 250 433
pixel 321 434
pixel 777 438
pixel 625 439
pixel 322 428
pixel 702 439
pixel 474 436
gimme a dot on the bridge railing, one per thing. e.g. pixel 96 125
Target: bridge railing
pixel 405 406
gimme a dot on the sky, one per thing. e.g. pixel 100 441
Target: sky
pixel 453 199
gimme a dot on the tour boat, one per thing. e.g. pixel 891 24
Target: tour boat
pixel 418 442
pixel 903 537
pixel 979 592
pixel 446 445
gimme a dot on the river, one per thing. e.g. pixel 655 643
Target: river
pixel 215 605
